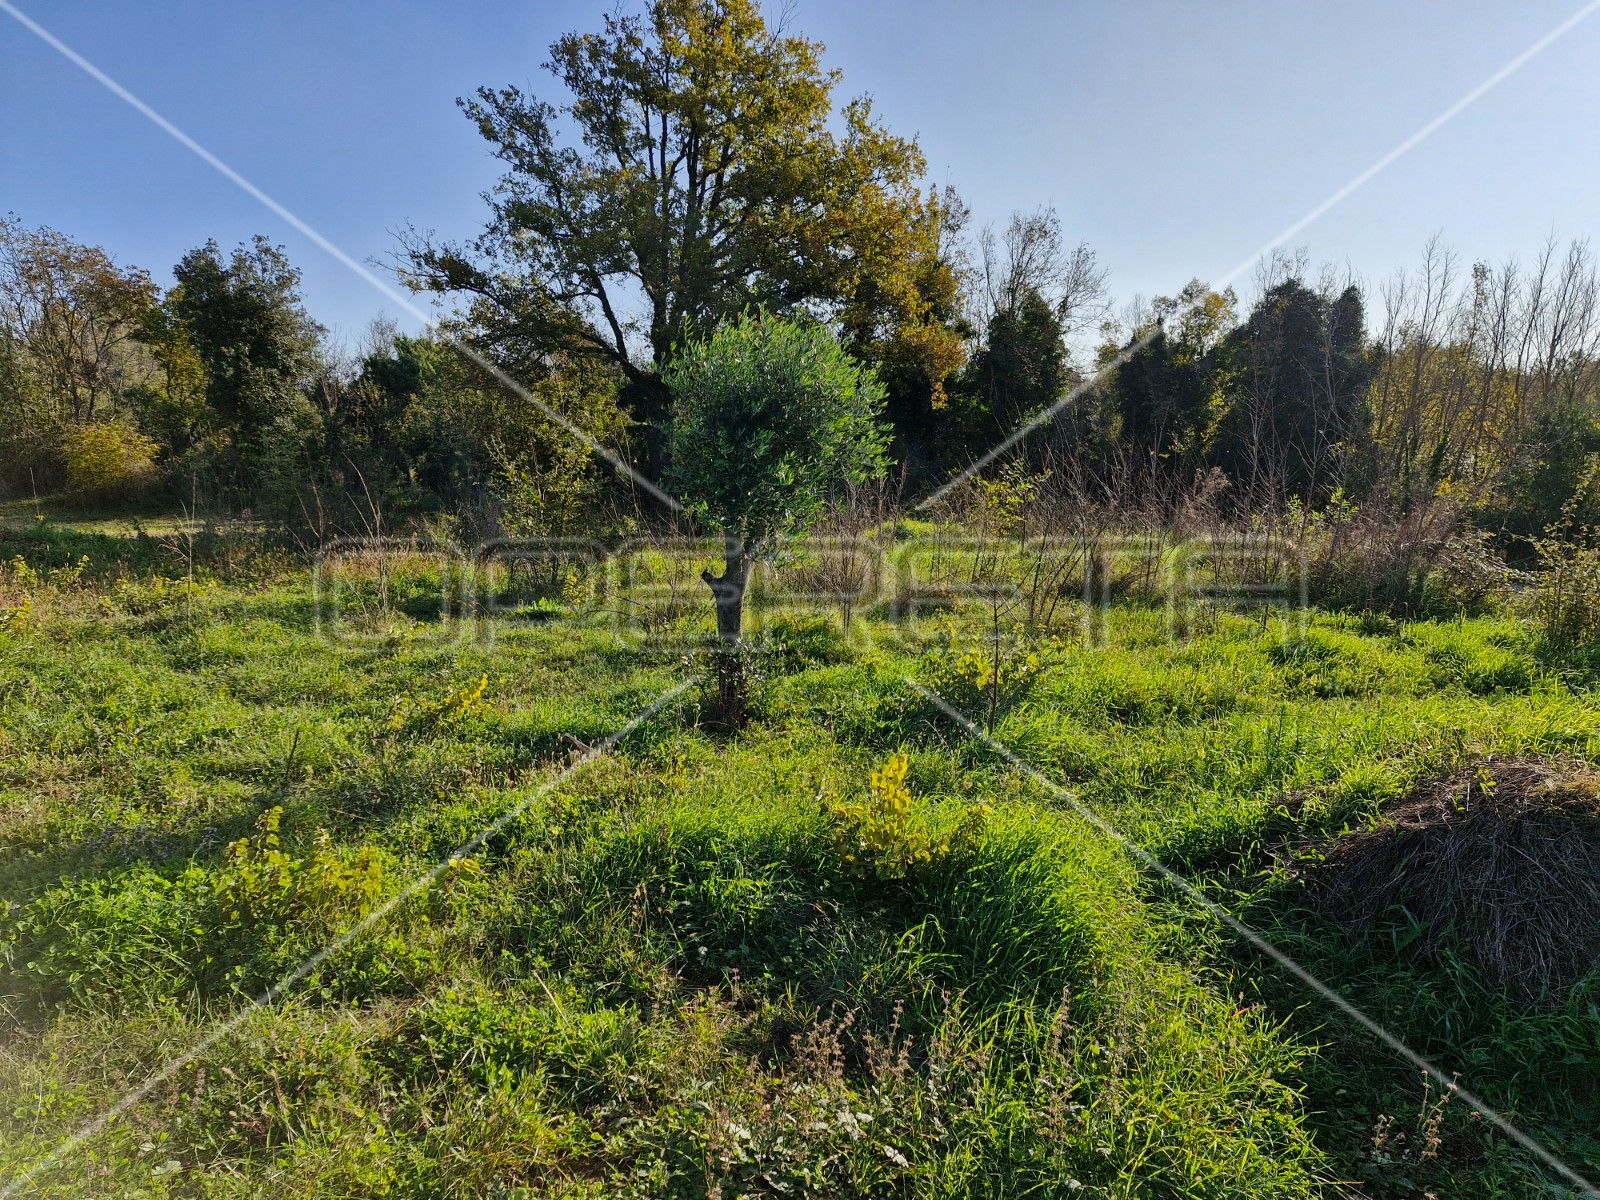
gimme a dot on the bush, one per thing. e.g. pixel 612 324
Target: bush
pixel 1377 560
pixel 235 925
pixel 986 676
pixel 880 836
pixel 108 459
pixel 1471 575
pixel 732 685
pixel 1566 600
pixel 793 644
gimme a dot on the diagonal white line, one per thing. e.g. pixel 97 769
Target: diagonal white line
pixel 1417 138
pixel 1265 947
pixel 1401 149
pixel 96 1124
pixel 388 289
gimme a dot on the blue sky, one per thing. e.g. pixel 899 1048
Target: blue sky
pixel 1174 138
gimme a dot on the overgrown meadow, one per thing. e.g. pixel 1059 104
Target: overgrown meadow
pixel 850 949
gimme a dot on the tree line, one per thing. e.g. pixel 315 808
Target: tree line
pixel 697 164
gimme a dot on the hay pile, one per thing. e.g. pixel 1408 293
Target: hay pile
pixel 1499 863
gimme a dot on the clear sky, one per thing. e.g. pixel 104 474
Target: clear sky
pixel 1175 138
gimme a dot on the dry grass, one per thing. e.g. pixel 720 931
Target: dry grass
pixel 1499 864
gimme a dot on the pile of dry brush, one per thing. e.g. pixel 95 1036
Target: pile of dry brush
pixel 1498 864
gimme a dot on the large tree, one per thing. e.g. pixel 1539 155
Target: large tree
pixel 80 344
pixel 909 322
pixel 75 321
pixel 1297 373
pixel 1029 293
pixel 1022 367
pixel 710 172
pixel 243 315
pixel 1161 391
pixel 1159 398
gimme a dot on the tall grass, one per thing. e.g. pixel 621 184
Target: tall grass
pixel 665 977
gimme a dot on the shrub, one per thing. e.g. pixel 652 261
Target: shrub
pixel 237 924
pixel 1566 599
pixel 28 592
pixel 414 718
pixel 880 836
pixel 1471 575
pixel 1379 560
pixel 986 678
pixel 260 884
pixel 108 459
pixel 732 684
pixel 793 644
pixel 18 582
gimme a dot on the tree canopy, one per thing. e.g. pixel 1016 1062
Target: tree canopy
pixel 76 317
pixel 711 171
pixel 245 319
pixel 770 417
pixel 1298 372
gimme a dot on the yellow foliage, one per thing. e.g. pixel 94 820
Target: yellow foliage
pixel 881 836
pixel 259 883
pixel 24 574
pixel 985 679
pixel 22 586
pixel 424 716
pixel 107 458
pixel 16 604
pixel 256 873
pixel 1003 498
pixel 18 616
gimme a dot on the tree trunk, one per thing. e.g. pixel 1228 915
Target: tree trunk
pixel 646 399
pixel 728 591
pixel 732 705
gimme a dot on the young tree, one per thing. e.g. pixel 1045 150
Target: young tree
pixel 709 171
pixel 1031 257
pixel 770 417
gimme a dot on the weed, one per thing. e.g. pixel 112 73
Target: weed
pixel 882 837
pixel 676 973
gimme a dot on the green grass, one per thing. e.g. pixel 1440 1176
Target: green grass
pixel 659 976
pixel 152 514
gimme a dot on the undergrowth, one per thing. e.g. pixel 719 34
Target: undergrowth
pixel 845 951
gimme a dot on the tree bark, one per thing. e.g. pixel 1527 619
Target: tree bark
pixel 728 591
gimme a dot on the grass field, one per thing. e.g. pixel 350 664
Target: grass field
pixel 704 964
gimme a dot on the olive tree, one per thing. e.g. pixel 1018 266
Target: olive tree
pixel 770 417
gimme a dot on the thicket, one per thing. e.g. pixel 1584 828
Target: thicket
pixel 1408 443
